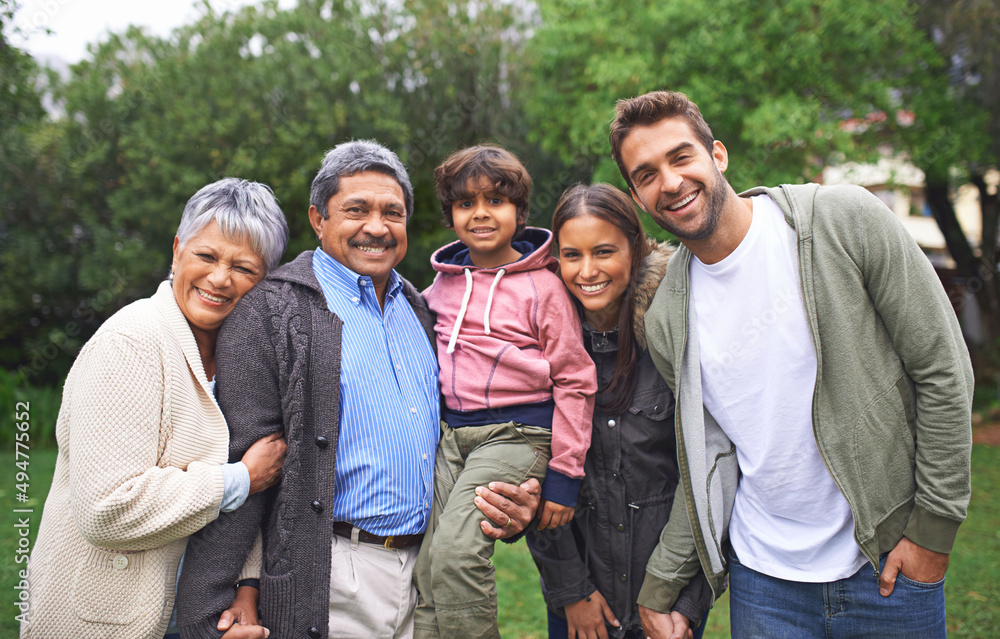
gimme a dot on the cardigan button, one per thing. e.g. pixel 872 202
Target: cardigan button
pixel 314 632
pixel 621 527
pixel 120 562
pixel 318 507
pixel 322 442
pixel 623 577
pixel 612 423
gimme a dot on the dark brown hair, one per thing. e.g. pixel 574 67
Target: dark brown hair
pixel 608 203
pixel 649 109
pixel 483 163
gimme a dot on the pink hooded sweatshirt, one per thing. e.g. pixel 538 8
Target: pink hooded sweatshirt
pixel 509 347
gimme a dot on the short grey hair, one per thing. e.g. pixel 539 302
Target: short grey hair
pixel 349 158
pixel 242 209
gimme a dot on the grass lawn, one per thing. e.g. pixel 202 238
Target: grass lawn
pixel 41 464
pixel 973 585
pixel 972 588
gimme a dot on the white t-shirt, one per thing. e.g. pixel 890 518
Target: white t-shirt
pixel 758 371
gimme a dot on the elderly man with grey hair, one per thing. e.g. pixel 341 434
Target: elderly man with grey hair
pixel 335 350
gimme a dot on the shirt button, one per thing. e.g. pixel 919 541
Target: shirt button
pixel 318 507
pixel 620 527
pixel 425 455
pixel 120 562
pixel 612 423
pixel 399 368
pixel 413 409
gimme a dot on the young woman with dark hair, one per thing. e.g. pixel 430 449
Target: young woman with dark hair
pixel 593 567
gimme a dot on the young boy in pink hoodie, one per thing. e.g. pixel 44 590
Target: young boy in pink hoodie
pixel 517 384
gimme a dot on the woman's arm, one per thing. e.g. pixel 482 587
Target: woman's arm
pixel 120 498
pixel 560 565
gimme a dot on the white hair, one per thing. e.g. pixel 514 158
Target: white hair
pixel 242 209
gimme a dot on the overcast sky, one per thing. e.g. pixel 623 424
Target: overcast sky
pixel 77 23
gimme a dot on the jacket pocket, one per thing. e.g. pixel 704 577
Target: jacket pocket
pixel 885 448
pixel 656 403
pixel 111 587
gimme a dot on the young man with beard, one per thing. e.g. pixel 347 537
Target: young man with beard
pixel 823 395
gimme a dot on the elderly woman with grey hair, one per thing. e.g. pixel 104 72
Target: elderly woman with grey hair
pixel 143 445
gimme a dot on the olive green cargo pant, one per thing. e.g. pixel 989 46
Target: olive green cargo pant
pixel 454 577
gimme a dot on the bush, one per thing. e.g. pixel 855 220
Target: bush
pixel 43 408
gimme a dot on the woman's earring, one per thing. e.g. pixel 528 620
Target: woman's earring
pixel 171 276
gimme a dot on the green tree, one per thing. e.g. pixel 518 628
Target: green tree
pixel 773 79
pixel 956 140
pixel 259 93
pixel 776 79
pixel 35 249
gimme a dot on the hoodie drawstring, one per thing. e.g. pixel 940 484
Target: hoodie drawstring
pixel 465 306
pixel 489 300
pixel 461 311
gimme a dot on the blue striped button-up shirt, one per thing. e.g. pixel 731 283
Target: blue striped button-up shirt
pixel 389 405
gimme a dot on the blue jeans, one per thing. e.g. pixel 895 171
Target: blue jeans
pixel 763 606
pixel 559 629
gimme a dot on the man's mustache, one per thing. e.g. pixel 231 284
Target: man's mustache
pixel 373 242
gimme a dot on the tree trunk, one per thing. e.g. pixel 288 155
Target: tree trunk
pixel 980 273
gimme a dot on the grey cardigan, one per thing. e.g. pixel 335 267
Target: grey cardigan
pixel 892 401
pixel 278 358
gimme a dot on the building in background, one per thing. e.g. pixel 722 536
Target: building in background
pixel 901 186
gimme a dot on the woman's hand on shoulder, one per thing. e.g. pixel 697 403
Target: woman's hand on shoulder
pixel 264 460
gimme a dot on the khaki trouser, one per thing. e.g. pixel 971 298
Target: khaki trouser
pixel 371 590
pixel 454 576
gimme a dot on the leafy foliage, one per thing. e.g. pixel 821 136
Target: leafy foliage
pixel 92 198
pixel 92 193
pixel 773 79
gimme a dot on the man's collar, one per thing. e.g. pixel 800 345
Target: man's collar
pixel 351 283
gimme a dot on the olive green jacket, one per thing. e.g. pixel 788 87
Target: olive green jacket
pixel 892 403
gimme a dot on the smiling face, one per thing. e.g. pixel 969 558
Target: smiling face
pixel 366 227
pixel 486 222
pixel 676 180
pixel 595 262
pixel 211 273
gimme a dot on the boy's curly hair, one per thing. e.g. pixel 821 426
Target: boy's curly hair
pixel 483 164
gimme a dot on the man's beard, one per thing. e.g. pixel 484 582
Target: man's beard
pixel 716 200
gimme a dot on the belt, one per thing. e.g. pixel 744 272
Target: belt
pixel 392 542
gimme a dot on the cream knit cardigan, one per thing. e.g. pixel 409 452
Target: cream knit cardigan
pixel 141 443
